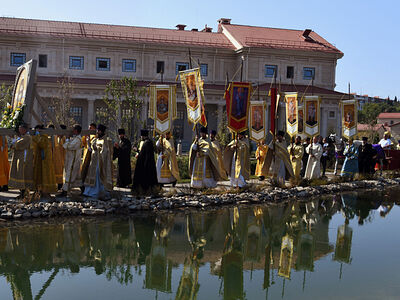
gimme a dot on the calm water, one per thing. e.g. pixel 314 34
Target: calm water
pixel 339 247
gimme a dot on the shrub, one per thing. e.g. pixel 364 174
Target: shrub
pixel 183 165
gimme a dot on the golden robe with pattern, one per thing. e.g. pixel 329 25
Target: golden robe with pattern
pixel 167 164
pixel 218 151
pixel 86 142
pixel 4 164
pixel 43 167
pixel 101 155
pixel 296 155
pixel 57 143
pixel 73 158
pixel 241 155
pixel 21 174
pixel 261 153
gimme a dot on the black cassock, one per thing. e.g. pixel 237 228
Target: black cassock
pixel 123 153
pixel 145 176
pixel 366 162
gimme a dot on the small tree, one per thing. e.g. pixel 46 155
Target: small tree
pixel 223 131
pixel 123 101
pixel 5 95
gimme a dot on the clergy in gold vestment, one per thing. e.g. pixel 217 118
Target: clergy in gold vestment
pixel 296 152
pixel 86 142
pixel 261 153
pixel 43 167
pixel 218 151
pixel 313 169
pixel 99 178
pixel 21 174
pixel 4 164
pixel 237 161
pixel 204 168
pixel 167 165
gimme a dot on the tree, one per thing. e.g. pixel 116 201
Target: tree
pixel 5 95
pixel 223 131
pixel 123 101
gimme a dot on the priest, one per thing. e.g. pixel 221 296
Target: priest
pixel 281 167
pixel 122 152
pixel 314 150
pixel 296 152
pixel 218 151
pixel 98 182
pixel 237 161
pixel 204 169
pixel 261 153
pixel 58 151
pixel 167 164
pixel 86 143
pixel 145 176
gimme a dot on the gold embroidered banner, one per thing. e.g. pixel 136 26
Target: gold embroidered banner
pixel 311 115
pixel 162 107
pixel 349 118
pixel 192 88
pixel 257 121
pixel 292 118
pixel 285 259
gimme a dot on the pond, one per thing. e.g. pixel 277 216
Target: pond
pixel 335 247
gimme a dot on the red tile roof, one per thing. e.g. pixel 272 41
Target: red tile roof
pixel 389 115
pixel 395 124
pixel 265 37
pixel 112 32
pixel 376 127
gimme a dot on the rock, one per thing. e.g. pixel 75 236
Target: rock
pixel 93 211
pixel 26 215
pixel 7 215
pixel 17 216
pixel 19 211
pixel 36 214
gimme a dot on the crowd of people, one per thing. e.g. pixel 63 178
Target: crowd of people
pixel 48 164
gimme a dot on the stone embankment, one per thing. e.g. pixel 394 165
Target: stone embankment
pixel 126 204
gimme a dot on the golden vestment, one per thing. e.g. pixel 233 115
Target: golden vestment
pixel 86 142
pixel 57 143
pixel 296 154
pixel 101 157
pixel 218 151
pixel 278 160
pixel 21 174
pixel 73 158
pixel 261 153
pixel 241 155
pixel 4 164
pixel 169 166
pixel 43 168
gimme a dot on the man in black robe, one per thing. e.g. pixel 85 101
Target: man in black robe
pixel 145 177
pixel 305 157
pixel 366 161
pixel 122 151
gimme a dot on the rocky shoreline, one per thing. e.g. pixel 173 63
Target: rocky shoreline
pixel 127 204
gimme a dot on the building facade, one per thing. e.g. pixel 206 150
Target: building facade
pixel 93 54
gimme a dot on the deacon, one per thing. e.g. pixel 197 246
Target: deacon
pixel 86 142
pixel 281 167
pixel 122 151
pixel 204 167
pixel 350 165
pixel 218 152
pixel 296 154
pixel 167 165
pixel 4 164
pixel 21 174
pixel 261 153
pixel 145 176
pixel 366 160
pixel 237 161
pixel 73 158
pixel 57 142
pixel 98 182
pixel 304 160
pixel 314 150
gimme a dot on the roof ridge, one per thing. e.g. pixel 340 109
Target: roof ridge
pixel 264 27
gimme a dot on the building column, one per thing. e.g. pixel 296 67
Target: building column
pixel 90 111
pixel 220 111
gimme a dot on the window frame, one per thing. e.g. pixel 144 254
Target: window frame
pixel 107 60
pixel 274 74
pixel 162 67
pixel 287 72
pixel 80 58
pixel 204 74
pixel 177 64
pixel 13 55
pixel 307 69
pixel 45 55
pixel 329 114
pixel 126 61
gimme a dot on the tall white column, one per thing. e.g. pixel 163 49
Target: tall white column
pixel 90 112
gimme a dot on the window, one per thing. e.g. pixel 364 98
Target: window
pixel 270 71
pixel 101 115
pixel 129 65
pixel 181 67
pixel 76 62
pixel 180 115
pixel 203 69
pixel 42 60
pixel 160 67
pixel 76 113
pixel 102 64
pixel 17 59
pixel 290 72
pixel 308 73
pixel 331 114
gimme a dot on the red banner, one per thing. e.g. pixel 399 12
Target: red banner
pixel 273 110
pixel 237 98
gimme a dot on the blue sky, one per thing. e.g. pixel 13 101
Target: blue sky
pixel 366 31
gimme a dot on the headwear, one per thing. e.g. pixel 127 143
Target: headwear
pixel 281 133
pixel 101 127
pixel 203 130
pixel 213 132
pixel 364 138
pixel 144 132
pixel 121 131
pixel 387 133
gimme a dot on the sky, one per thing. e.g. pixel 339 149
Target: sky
pixel 366 31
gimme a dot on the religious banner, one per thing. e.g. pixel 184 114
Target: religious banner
pixel 349 118
pixel 300 111
pixel 343 244
pixel 311 115
pixel 292 119
pixel 285 259
pixel 257 121
pixel 192 87
pixel 237 98
pixel 162 107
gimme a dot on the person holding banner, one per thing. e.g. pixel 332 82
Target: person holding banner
pixel 281 167
pixel 296 152
pixel 167 165
pixel 87 142
pixel 204 168
pixel 314 150
pixel 218 151
pixel 237 161
pixel 261 153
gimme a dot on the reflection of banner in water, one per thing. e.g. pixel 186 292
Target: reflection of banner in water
pixel 311 115
pixel 343 244
pixel 291 114
pixel 188 285
pixel 232 264
pixel 253 238
pixel 300 110
pixel 237 98
pixel 192 88
pixel 257 120
pixel 349 118
pixel 158 270
pixel 162 107
pixel 285 260
pixel 305 252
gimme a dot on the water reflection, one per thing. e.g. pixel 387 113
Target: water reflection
pixel 275 239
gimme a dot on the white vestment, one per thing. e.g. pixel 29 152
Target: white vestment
pixel 206 182
pixel 313 169
pixel 73 158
